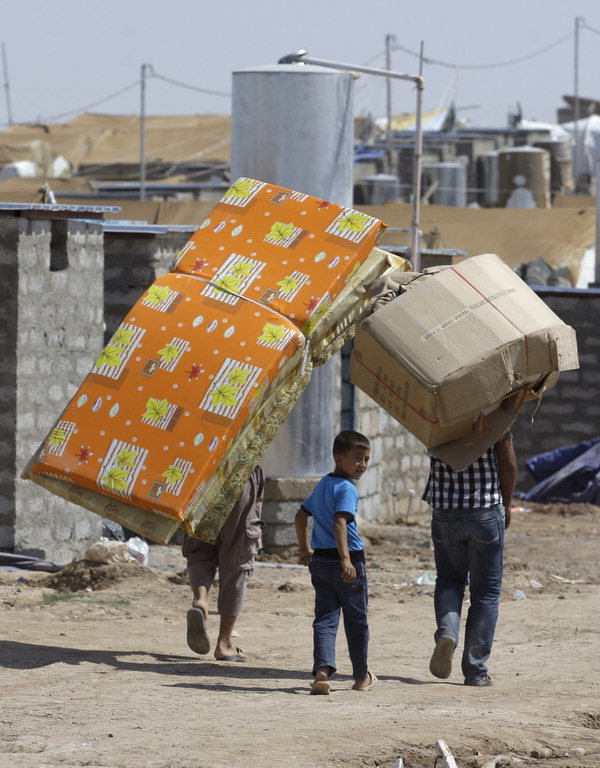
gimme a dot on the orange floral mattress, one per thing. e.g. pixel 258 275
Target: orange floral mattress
pixel 183 400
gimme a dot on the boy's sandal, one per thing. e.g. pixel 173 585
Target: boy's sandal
pixel 372 681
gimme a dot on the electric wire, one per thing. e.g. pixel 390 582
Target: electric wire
pixel 496 65
pixel 88 106
pixel 590 29
pixel 189 87
pixel 394 46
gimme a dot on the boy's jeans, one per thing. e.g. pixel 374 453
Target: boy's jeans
pixel 332 595
pixel 468 545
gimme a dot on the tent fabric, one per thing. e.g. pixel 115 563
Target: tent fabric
pixel 546 464
pixel 559 236
pixel 98 140
pixel 576 478
pixel 519 236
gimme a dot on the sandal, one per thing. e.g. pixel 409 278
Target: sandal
pixel 372 681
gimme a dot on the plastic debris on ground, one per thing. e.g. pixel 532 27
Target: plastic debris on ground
pixel 14 562
pixel 110 551
pixel 570 474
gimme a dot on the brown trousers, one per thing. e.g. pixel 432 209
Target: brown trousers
pixel 234 551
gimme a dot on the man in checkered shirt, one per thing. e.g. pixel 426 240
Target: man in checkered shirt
pixel 471 510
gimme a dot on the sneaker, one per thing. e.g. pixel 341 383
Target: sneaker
pixel 480 681
pixel 441 660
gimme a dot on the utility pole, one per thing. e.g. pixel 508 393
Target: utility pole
pixel 389 40
pixel 145 68
pixel 576 153
pixel 6 86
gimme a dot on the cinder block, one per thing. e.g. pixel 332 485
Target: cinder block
pixel 279 536
pixel 289 488
pixel 279 512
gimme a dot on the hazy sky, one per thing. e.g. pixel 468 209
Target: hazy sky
pixel 66 56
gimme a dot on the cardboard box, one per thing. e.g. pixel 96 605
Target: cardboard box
pixel 451 349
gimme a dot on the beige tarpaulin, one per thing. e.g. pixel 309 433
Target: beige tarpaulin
pixel 560 236
pixel 26 190
pixel 94 139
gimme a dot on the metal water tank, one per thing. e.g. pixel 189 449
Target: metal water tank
pixel 447 182
pixel 488 178
pixel 293 125
pixel 523 177
pixel 377 189
pixel 561 163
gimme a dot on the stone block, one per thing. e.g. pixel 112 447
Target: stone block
pixel 279 512
pixel 289 488
pixel 279 536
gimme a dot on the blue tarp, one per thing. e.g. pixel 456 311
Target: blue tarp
pixel 368 154
pixel 570 474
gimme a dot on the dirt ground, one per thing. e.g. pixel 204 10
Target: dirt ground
pixel 96 671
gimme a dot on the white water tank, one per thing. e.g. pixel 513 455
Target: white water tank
pixel 488 178
pixel 293 125
pixel 378 189
pixel 448 182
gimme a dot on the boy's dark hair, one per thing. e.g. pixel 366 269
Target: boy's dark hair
pixel 349 439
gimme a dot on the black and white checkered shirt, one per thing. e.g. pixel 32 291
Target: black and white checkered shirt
pixel 476 487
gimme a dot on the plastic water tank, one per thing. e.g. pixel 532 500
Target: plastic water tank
pixel 448 181
pixel 377 189
pixel 523 177
pixel 561 163
pixel 488 178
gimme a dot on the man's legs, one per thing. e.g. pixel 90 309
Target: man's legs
pixel 237 549
pixel 232 590
pixel 451 561
pixel 486 549
pixel 201 567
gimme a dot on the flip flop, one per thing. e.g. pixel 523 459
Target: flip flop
pixel 239 655
pixel 320 688
pixel 366 687
pixel 197 636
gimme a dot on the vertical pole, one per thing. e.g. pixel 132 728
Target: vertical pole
pixel 389 39
pixel 6 86
pixel 596 283
pixel 415 232
pixel 576 153
pixel 143 133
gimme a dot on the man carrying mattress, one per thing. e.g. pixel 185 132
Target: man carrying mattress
pixel 233 555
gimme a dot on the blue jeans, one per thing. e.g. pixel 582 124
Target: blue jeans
pixel 469 546
pixel 333 595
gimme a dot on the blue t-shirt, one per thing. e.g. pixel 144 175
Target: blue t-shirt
pixel 332 494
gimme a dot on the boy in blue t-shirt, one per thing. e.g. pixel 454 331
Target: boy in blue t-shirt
pixel 336 561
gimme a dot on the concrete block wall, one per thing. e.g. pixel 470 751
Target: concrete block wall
pixel 59 288
pixel 283 497
pixel 392 487
pixel 51 321
pixel 570 412
pixel 132 263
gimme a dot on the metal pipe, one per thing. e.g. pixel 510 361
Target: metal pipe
pixel 389 39
pixel 143 132
pixel 301 57
pixel 6 85
pixel 576 154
